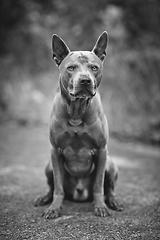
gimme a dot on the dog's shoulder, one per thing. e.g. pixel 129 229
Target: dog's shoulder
pixel 98 124
pixel 58 106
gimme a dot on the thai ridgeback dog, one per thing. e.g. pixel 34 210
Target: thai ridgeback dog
pixel 80 168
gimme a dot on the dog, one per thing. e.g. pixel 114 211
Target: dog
pixel 80 168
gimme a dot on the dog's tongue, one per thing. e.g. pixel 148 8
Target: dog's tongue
pixel 85 95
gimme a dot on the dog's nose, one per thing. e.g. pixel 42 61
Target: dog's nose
pixel 85 82
pixel 79 191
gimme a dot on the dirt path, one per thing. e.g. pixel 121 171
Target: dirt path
pixel 23 155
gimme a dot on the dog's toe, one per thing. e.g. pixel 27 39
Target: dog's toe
pixel 101 211
pixel 41 201
pixel 51 213
pixel 114 204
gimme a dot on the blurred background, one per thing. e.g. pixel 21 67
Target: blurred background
pixel 130 88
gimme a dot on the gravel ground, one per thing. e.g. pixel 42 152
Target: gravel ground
pixel 24 152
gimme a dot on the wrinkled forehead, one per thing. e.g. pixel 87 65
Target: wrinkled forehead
pixel 82 57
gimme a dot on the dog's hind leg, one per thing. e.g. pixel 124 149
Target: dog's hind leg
pixel 48 197
pixel 111 175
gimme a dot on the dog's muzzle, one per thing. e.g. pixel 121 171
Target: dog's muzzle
pixel 84 89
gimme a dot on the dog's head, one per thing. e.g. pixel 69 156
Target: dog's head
pixel 80 71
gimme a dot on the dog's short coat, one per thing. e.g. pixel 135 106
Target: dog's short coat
pixel 80 168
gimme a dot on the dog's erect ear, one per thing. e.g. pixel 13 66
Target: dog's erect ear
pixel 101 46
pixel 59 48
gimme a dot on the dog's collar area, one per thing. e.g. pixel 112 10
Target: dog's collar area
pixel 75 122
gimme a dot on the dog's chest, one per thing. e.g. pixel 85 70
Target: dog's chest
pixel 76 140
pixel 78 150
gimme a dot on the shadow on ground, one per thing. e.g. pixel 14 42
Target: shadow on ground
pixel 24 153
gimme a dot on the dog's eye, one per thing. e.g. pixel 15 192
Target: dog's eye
pixel 71 68
pixel 94 68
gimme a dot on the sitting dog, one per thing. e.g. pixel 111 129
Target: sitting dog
pixel 80 168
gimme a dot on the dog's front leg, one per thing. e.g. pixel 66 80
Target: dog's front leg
pixel 100 207
pixel 53 211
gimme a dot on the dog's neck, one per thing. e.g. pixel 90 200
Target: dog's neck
pixel 76 110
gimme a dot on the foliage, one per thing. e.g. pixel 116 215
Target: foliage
pixel 141 19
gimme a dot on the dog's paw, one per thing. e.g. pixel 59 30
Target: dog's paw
pixel 43 200
pixel 101 211
pixel 114 204
pixel 51 213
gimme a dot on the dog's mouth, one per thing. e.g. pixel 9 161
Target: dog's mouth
pixel 83 93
